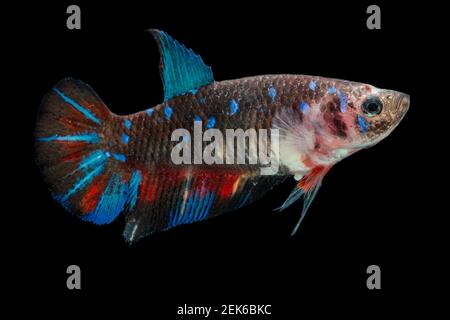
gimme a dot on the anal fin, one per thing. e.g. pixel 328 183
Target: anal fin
pixel 170 197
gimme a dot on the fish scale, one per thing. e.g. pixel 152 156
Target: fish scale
pixel 256 110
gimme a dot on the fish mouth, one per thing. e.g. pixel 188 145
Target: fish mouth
pixel 401 107
pixel 402 104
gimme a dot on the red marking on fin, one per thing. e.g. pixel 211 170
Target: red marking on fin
pixel 228 185
pixel 73 151
pixel 147 188
pixel 92 195
pixel 310 180
pixel 75 156
pixel 223 182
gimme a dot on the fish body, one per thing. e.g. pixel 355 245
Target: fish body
pixel 99 165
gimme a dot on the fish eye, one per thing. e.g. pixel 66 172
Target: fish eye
pixel 372 106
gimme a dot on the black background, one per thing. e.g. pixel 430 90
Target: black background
pixel 369 210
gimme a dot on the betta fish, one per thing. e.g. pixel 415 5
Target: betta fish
pixel 99 165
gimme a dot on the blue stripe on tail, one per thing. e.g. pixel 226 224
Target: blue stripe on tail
pixel 118 196
pixel 93 160
pixel 83 182
pixel 83 110
pixel 85 137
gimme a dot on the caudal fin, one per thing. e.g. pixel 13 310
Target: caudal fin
pixel 74 153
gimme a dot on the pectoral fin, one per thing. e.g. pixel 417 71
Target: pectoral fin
pixel 307 188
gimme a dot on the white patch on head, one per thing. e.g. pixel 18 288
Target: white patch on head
pixel 374 90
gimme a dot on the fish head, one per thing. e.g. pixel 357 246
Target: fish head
pixel 359 115
pixel 375 114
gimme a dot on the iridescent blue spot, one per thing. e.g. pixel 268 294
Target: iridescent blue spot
pixel 272 93
pixel 211 122
pixel 331 90
pixel 234 107
pixel 342 100
pixel 312 85
pixel 304 107
pixel 362 124
pixel 125 138
pixel 168 112
pixel 197 118
pixel 120 157
pixel 150 111
pixel 127 123
pixel 193 91
pixel 85 137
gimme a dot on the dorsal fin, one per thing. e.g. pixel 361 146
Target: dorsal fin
pixel 180 68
